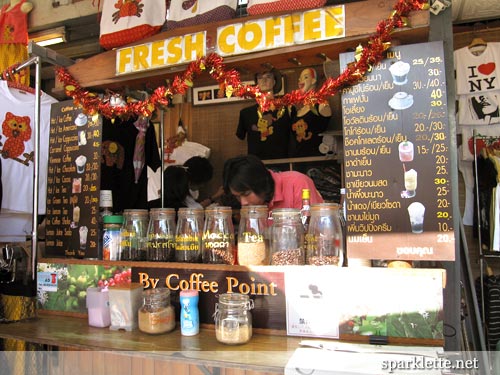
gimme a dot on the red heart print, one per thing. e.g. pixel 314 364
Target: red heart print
pixel 486 69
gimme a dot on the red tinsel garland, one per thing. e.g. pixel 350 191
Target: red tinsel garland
pixel 230 80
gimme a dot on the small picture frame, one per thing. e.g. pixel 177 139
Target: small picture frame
pixel 212 94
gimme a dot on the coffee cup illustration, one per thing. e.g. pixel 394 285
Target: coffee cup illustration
pixel 399 71
pixel 81 119
pixel 80 162
pixel 401 100
pixel 416 212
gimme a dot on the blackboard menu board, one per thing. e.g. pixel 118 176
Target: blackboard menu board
pixel 396 155
pixel 73 182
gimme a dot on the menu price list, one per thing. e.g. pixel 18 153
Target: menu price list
pixel 396 155
pixel 73 182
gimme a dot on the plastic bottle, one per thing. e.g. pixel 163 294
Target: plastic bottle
pixel 190 318
pixel 111 237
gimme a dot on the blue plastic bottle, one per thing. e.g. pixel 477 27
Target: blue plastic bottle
pixel 190 317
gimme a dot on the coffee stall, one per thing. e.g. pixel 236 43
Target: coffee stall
pixel 390 306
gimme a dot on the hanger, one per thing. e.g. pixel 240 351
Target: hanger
pixel 11 76
pixel 477 46
pixel 477 42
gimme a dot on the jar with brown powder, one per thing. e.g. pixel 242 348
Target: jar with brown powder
pixel 156 315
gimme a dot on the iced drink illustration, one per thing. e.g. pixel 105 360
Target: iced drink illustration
pixel 80 163
pixel 76 217
pixel 410 183
pixel 399 71
pixel 82 138
pixel 83 231
pixel 416 212
pixel 405 151
pixel 76 186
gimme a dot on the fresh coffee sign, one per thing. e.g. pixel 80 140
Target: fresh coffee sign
pixel 396 153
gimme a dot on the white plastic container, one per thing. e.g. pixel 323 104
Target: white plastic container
pixel 124 303
pixel 98 307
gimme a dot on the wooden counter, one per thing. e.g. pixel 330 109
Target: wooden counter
pixel 101 350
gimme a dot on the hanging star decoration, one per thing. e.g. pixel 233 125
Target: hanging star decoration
pixel 229 80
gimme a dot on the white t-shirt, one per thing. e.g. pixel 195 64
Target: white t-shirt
pixel 478 85
pixel 17 137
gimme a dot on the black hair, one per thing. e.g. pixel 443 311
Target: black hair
pixel 278 85
pixel 176 187
pixel 199 170
pixel 248 173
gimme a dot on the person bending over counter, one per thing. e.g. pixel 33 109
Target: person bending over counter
pixel 247 178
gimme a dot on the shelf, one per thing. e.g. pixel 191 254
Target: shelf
pixel 491 254
pixel 99 71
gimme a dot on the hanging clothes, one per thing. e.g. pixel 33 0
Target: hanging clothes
pixel 121 135
pixel 268 133
pixel 306 130
pixel 478 95
pixel 478 85
pixel 14 37
pixel 17 151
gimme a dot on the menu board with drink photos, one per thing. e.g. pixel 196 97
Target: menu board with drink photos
pixel 397 158
pixel 73 182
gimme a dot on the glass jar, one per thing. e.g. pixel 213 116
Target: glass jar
pixel 287 237
pixel 218 236
pixel 111 237
pixel 133 245
pixel 253 236
pixel 188 235
pixel 161 235
pixel 233 319
pixel 325 243
pixel 156 315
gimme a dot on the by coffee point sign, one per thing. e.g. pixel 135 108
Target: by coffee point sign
pixel 246 37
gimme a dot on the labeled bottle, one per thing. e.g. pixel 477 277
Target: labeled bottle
pixel 188 235
pixel 287 237
pixel 218 236
pixel 105 209
pixel 233 319
pixel 253 236
pixel 134 231
pixel 325 244
pixel 156 315
pixel 305 212
pixel 161 235
pixel 111 237
pixel 189 314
